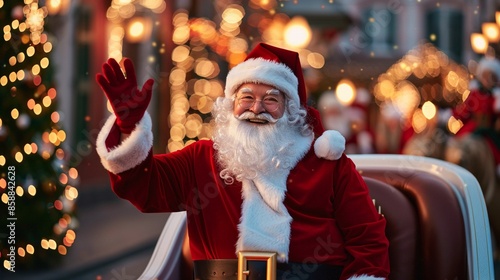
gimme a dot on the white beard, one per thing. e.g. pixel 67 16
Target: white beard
pixel 261 157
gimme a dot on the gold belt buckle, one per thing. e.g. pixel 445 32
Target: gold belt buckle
pixel 268 257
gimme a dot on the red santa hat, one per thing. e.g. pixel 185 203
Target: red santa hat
pixel 278 67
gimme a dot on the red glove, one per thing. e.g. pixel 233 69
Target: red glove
pixel 129 104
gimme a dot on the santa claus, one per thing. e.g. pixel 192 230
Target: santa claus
pixel 271 182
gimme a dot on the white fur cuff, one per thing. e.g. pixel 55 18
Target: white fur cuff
pixel 365 277
pixel 330 145
pixel 131 152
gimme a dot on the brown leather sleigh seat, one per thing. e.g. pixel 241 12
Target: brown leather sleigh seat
pixel 401 229
pixel 437 223
pixel 424 225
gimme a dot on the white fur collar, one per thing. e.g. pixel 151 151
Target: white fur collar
pixel 265 224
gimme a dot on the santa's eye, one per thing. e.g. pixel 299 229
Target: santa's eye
pixel 270 100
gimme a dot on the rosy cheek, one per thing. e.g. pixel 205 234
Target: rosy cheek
pixel 276 114
pixel 237 110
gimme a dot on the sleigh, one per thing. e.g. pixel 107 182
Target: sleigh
pixel 437 223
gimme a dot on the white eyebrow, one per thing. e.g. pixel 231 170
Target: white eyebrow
pixel 273 91
pixel 245 90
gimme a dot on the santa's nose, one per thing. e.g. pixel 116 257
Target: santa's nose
pixel 257 107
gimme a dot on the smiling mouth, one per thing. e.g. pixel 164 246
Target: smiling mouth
pixel 256 120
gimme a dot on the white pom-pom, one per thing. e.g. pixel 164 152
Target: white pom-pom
pixel 330 145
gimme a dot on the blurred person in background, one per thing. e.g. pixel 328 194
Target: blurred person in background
pixel 351 121
pixel 476 146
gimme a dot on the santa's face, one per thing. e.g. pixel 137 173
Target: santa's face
pixel 256 141
pixel 258 99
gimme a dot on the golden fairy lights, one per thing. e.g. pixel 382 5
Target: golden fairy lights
pixel 21 251
pixel 138 29
pixel 480 42
pixel 34 22
pixel 231 20
pixel 345 92
pixel 35 19
pixel 197 94
pixel 425 61
pixel 297 33
pixel 123 13
pixel 51 244
pixel 64 226
pixel 57 6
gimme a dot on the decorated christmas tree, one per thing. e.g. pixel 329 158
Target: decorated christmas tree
pixel 37 187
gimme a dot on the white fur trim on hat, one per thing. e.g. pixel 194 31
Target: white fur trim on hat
pixel 365 277
pixel 131 152
pixel 330 145
pixel 262 71
pixel 489 63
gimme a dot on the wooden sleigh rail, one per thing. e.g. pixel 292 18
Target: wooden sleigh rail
pixel 437 223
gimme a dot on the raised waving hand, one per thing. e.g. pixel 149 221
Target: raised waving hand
pixel 128 102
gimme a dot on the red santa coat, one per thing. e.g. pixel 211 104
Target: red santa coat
pixel 334 220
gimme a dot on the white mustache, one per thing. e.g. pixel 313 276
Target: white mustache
pixel 262 116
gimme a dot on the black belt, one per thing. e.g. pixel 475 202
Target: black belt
pixel 227 269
